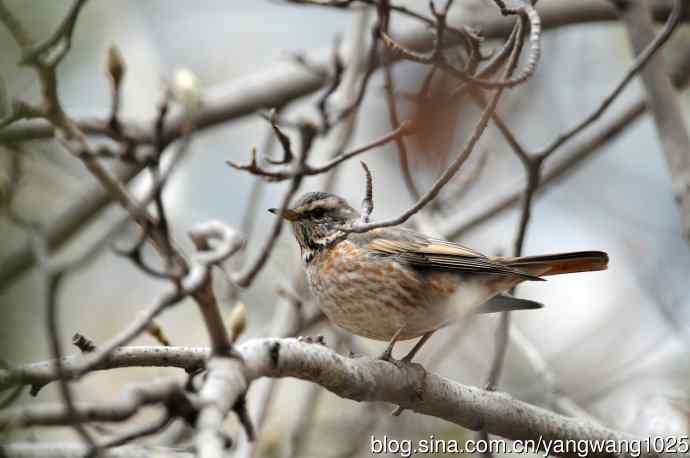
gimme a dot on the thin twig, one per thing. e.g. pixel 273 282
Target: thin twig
pixel 639 62
pixel 246 96
pixel 245 278
pixel 453 168
pixel 292 170
pixel 580 153
pixel 141 431
pixel 51 284
pixel 394 118
pixel 368 201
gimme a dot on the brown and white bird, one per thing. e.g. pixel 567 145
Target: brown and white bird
pixel 395 284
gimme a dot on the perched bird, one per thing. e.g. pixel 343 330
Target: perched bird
pixel 395 284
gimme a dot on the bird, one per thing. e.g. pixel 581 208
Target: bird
pixel 393 284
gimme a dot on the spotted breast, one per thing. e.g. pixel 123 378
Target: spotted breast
pixel 375 296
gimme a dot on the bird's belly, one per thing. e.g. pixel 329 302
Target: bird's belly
pixel 378 297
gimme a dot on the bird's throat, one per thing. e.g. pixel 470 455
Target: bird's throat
pixel 317 244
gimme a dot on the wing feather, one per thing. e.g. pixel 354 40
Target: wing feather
pixel 440 254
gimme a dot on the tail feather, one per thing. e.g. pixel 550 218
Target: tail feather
pixel 507 303
pixel 561 263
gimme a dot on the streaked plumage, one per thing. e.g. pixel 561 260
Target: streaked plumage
pixel 392 281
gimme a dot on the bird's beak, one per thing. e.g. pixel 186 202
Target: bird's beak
pixel 288 214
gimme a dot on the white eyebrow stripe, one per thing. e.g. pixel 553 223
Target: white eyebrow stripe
pixel 327 203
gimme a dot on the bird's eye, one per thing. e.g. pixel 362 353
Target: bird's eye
pixel 318 213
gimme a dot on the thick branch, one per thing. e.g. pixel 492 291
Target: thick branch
pixel 365 379
pixel 42 373
pixel 664 105
pixel 224 385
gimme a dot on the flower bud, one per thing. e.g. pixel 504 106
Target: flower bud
pixel 116 65
pixel 186 90
pixel 237 321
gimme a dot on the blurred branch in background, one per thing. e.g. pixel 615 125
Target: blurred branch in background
pixel 533 165
pixel 663 102
pixel 218 378
pixel 292 315
pixel 272 88
pixel 571 159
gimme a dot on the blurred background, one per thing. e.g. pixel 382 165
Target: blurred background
pixel 612 346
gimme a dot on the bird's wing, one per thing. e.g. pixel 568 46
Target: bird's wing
pixel 425 252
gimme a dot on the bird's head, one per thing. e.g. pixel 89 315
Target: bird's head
pixel 317 219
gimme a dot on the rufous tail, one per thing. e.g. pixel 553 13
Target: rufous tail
pixel 561 263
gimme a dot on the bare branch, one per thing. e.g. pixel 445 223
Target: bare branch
pixel 245 278
pixel 225 384
pixel 467 182
pixel 454 167
pixel 72 450
pixel 20 35
pixel 135 397
pixel 58 43
pixel 11 397
pixel 663 102
pixel 43 373
pixel 577 155
pixel 365 379
pixel 140 431
pixel 640 61
pixel 133 330
pixel 275 87
pixel 198 281
pixel 283 139
pixel 292 170
pixel 437 58
pixel 205 403
pixel 272 87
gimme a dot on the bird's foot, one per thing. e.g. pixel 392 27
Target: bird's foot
pixel 407 359
pixel 387 355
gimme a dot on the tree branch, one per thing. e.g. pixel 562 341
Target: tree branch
pixel 574 157
pixel 72 450
pixel 366 379
pixel 664 105
pixel 272 87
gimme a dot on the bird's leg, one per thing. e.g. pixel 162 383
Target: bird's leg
pixel 418 346
pixel 388 352
pixel 408 359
